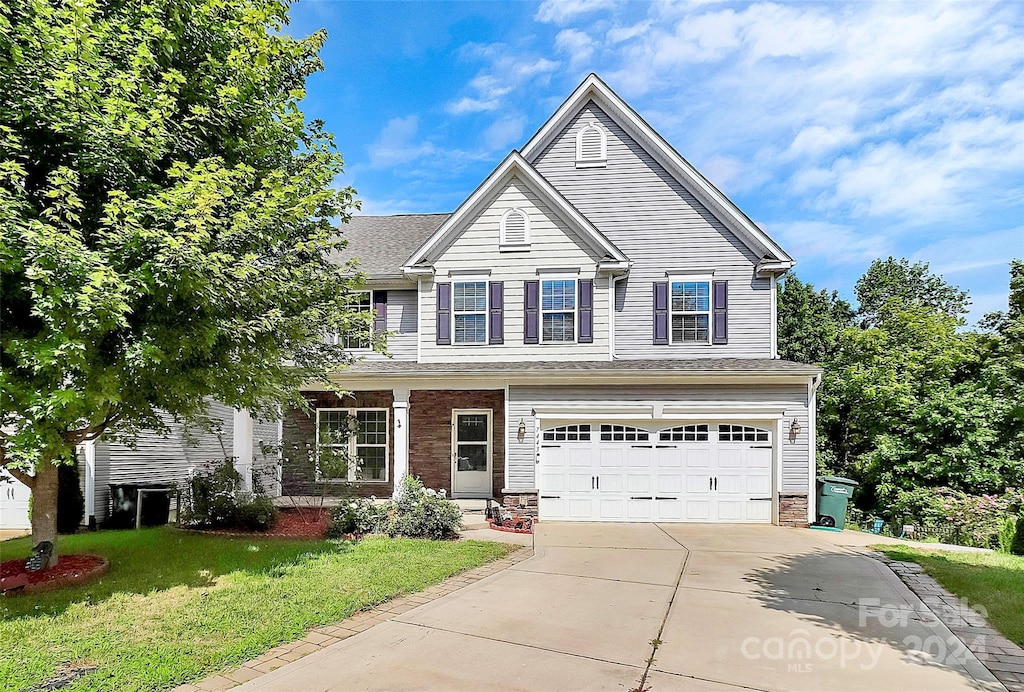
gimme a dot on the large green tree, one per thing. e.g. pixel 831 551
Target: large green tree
pixel 166 215
pixel 910 284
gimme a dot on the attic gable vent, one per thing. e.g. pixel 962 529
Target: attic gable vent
pixel 515 230
pixel 591 146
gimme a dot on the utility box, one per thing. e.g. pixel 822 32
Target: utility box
pixel 834 494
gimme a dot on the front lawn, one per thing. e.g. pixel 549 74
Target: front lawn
pixel 176 606
pixel 992 580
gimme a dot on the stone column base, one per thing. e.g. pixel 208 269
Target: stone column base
pixel 793 509
pixel 523 502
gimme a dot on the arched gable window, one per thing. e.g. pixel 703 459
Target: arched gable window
pixel 515 228
pixel 591 146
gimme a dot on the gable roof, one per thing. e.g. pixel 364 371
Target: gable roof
pixel 384 243
pixel 515 164
pixel 594 89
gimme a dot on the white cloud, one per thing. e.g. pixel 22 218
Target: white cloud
pixel 506 72
pixel 396 143
pixel 471 105
pixel 577 44
pixel 504 133
pixel 561 11
pixel 833 244
pixel 968 252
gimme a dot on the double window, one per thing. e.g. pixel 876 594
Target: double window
pixel 690 307
pixel 558 310
pixel 352 444
pixel 469 309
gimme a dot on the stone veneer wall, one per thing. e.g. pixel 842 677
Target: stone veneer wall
pixel 793 509
pixel 298 436
pixel 430 434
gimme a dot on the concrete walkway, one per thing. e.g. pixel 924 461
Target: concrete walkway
pixel 718 607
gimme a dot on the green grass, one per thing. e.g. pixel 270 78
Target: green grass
pixel 992 580
pixel 176 606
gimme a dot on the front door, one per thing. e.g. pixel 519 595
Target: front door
pixel 471 452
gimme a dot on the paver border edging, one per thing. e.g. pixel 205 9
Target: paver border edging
pixel 320 637
pixel 1002 657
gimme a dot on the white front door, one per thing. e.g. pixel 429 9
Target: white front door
pixel 471 452
pixel 661 472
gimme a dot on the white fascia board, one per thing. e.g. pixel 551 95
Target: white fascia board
pixel 688 176
pixel 515 163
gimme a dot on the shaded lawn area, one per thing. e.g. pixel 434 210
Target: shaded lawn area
pixel 176 606
pixel 992 580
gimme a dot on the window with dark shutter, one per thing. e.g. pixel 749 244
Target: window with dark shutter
pixel 380 309
pixel 720 312
pixel 531 312
pixel 660 312
pixel 586 311
pixel 444 314
pixel 496 300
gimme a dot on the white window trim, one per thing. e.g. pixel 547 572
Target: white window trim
pixel 470 279
pixel 503 244
pixel 575 305
pixel 691 278
pixel 336 338
pixel 600 162
pixel 353 451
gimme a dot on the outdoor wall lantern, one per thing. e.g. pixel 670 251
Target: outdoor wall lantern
pixel 521 432
pixel 794 429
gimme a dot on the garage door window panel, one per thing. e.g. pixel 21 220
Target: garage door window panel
pixel 741 433
pixel 623 433
pixel 568 433
pixel 685 433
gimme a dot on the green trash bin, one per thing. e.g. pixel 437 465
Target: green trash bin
pixel 833 495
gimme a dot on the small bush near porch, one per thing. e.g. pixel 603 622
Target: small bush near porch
pixel 176 606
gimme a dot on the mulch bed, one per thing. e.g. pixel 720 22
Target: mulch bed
pixel 70 570
pixel 290 523
pixel 508 529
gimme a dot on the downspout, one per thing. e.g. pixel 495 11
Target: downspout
pixel 812 446
pixel 613 282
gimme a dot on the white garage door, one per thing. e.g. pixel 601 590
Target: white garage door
pixel 712 472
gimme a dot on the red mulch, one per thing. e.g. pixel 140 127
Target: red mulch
pixel 291 523
pixel 507 529
pixel 69 570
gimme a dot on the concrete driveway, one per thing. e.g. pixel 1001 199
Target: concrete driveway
pixel 754 607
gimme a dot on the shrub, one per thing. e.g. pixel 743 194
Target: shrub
pixel 971 520
pixel 70 503
pixel 214 498
pixel 1006 534
pixel 359 515
pixel 416 512
pixel 1017 546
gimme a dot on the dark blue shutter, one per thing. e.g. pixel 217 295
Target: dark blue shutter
pixel 720 312
pixel 661 312
pixel 496 300
pixel 380 308
pixel 586 305
pixel 444 314
pixel 531 312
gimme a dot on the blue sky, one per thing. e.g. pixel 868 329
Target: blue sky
pixel 848 131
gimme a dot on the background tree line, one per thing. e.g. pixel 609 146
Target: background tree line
pixel 924 412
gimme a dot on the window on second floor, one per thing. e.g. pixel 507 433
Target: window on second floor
pixel 558 310
pixel 469 312
pixel 360 339
pixel 690 307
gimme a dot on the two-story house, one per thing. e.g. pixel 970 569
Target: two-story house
pixel 591 334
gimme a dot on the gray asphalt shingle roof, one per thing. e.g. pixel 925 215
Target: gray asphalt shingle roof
pixel 384 243
pixel 695 365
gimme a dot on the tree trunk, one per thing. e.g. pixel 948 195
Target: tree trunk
pixel 44 506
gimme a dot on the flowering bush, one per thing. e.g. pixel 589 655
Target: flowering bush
pixel 972 520
pixel 416 512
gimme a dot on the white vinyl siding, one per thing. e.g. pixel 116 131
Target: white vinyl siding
pixel 660 227
pixel 553 246
pixel 523 399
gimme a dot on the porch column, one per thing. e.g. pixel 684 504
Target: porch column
pixel 401 461
pixel 242 446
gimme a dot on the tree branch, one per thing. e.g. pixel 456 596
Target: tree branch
pixel 26 478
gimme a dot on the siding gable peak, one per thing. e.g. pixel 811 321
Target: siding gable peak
pixel 514 166
pixel 593 89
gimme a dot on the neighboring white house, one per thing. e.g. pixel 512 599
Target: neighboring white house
pixel 153 459
pixel 591 335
